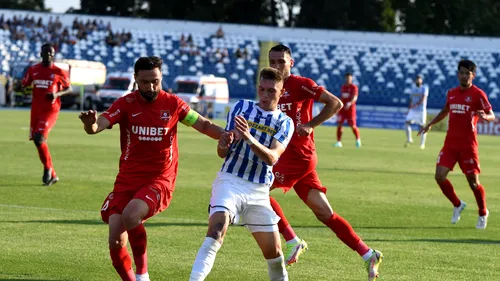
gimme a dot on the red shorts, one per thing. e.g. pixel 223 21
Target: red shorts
pixel 468 159
pixel 158 199
pixel 42 124
pixel 301 176
pixel 349 116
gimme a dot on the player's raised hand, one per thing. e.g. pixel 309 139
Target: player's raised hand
pixel 88 117
pixel 241 127
pixel 424 130
pixel 304 130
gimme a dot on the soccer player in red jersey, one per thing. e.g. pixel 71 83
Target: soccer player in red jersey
pixel 464 105
pixel 348 96
pixel 145 182
pixel 297 166
pixel 49 83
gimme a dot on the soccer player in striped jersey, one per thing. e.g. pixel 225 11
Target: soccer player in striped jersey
pixel 240 193
pixel 417 110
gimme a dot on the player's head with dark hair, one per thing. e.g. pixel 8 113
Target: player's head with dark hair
pixel 280 57
pixel 419 80
pixel 47 53
pixel 148 76
pixel 466 73
pixel 270 88
pixel 348 78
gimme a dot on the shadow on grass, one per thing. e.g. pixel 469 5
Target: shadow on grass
pixel 437 240
pixel 99 222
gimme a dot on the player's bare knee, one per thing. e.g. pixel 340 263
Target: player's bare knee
pixel 323 215
pixel 473 183
pixel 131 219
pixel 439 177
pixel 218 226
pixel 38 139
pixel 117 243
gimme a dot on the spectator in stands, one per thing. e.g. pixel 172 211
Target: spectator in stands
pixel 245 53
pixel 238 54
pixel 219 33
pixel 190 39
pixel 9 93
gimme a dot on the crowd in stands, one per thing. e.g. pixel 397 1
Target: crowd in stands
pixel 31 29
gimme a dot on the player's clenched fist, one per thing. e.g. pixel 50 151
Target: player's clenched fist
pixel 304 130
pixel 226 139
pixel 88 117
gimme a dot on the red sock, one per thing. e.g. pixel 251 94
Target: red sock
pixel 339 133
pixel 449 192
pixel 480 195
pixel 355 130
pixel 284 227
pixel 122 263
pixel 43 152
pixel 345 233
pixel 138 242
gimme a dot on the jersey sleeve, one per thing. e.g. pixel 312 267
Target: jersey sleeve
pixel 233 112
pixel 28 78
pixel 426 91
pixel 64 80
pixel 115 112
pixel 285 132
pixel 356 91
pixel 484 103
pixel 310 89
pixel 447 104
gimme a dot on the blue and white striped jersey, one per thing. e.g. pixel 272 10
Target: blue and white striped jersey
pixel 418 93
pixel 265 126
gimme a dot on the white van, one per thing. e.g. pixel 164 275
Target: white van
pixel 119 84
pixel 207 94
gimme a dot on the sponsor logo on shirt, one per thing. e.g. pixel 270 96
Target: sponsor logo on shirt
pixel 114 113
pixel 285 106
pixel 150 133
pixel 261 127
pixel 459 108
pixel 42 84
pixel 285 95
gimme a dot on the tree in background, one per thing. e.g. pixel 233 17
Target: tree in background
pixel 31 5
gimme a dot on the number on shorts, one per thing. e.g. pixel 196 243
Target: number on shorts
pixel 105 206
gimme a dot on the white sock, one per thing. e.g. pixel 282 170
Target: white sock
pixel 276 269
pixel 422 139
pixel 367 255
pixel 142 277
pixel 295 240
pixel 204 259
pixel 408 133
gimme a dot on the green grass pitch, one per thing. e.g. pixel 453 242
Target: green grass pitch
pixel 385 191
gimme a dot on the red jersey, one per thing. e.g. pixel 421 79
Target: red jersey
pixel 297 103
pixel 45 79
pixel 463 104
pixel 347 93
pixel 148 137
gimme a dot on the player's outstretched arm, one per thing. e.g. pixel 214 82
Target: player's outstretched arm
pixel 205 126
pixel 332 106
pixel 64 92
pixel 441 115
pixel 91 124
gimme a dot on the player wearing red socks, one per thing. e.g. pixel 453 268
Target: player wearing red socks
pixel 145 182
pixel 464 105
pixel 348 96
pixel 297 166
pixel 49 83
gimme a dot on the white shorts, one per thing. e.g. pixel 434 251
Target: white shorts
pixel 246 202
pixel 416 117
